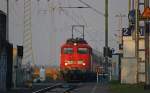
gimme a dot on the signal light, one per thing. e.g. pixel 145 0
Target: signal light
pixel 20 51
pixel 107 52
pixel 110 53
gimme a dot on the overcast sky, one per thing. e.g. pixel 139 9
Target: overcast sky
pixel 50 28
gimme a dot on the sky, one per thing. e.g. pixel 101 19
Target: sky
pixel 51 28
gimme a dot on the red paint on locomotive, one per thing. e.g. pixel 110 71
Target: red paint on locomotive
pixel 76 55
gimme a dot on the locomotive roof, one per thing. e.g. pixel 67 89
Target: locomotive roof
pixel 80 42
pixel 77 40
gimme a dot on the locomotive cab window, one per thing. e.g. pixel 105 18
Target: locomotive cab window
pixel 68 51
pixel 83 51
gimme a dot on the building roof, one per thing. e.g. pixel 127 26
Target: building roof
pixel 146 13
pixel 1 12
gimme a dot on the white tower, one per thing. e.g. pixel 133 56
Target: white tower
pixel 27 34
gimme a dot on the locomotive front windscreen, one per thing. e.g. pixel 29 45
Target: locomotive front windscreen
pixel 83 50
pixel 68 51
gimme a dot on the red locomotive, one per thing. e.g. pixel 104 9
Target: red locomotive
pixel 76 54
pixel 75 58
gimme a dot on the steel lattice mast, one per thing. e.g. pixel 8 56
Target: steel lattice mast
pixel 27 34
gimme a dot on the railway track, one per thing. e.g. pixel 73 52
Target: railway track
pixel 59 88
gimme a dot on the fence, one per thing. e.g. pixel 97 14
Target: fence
pixel 6 67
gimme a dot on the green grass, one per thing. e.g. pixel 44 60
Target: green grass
pixel 115 87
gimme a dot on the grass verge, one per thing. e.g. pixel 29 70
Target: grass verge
pixel 116 87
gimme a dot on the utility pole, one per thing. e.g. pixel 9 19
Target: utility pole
pixel 145 18
pixel 147 52
pixel 147 29
pixel 137 29
pixel 106 35
pixel 106 24
pixel 7 22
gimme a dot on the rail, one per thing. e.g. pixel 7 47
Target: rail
pixel 66 88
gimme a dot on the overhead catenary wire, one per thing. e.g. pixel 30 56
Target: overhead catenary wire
pixel 73 7
pixel 79 16
pixel 73 16
pixel 94 9
pixel 76 18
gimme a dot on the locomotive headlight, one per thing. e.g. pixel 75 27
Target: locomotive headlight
pixel 83 64
pixel 75 44
pixel 66 64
